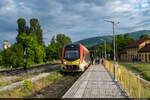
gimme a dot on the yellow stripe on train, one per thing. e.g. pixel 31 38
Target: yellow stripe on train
pixel 76 62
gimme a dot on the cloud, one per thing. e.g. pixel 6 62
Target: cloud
pixel 78 19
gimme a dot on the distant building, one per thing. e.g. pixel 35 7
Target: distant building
pixel 123 56
pixel 138 50
pixel 144 53
pixel 6 45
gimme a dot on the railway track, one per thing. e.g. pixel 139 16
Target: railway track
pixel 30 69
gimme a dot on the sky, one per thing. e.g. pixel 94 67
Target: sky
pixel 78 19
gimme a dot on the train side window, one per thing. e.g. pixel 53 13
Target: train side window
pixel 84 56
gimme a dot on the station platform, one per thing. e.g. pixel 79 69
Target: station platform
pixel 95 82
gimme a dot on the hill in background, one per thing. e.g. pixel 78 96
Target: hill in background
pixel 97 40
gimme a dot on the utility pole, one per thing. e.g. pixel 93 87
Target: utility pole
pixel 113 23
pixel 116 46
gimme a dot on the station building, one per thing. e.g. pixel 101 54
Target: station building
pixel 138 50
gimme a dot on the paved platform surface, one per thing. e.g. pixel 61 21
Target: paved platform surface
pixel 95 82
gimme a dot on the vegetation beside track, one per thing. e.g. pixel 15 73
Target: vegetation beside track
pixel 142 68
pixel 132 83
pixel 41 86
pixel 4 81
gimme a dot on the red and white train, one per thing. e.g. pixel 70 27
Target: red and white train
pixel 75 57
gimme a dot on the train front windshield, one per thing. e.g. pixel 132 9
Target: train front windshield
pixel 71 54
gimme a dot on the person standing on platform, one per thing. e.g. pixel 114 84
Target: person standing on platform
pixel 99 60
pixel 92 59
pixel 102 59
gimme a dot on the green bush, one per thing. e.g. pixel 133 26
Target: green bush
pixel 146 75
pixel 27 84
pixel 13 56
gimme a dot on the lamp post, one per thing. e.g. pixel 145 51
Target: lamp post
pixel 105 48
pixel 113 23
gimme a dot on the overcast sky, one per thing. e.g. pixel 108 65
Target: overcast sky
pixel 79 19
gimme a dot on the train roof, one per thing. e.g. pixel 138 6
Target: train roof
pixel 77 44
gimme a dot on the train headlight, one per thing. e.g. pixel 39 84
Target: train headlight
pixel 64 62
pixel 78 62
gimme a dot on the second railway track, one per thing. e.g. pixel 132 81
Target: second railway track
pixel 30 69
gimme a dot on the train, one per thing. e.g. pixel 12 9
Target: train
pixel 75 57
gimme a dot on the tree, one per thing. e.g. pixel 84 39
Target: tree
pixel 39 54
pixel 144 36
pixel 63 39
pixel 53 51
pixel 6 57
pixel 35 53
pixel 36 29
pixel 120 43
pixel 21 27
pixel 127 40
pixel 13 56
pixel 31 42
pixel 17 55
pixel 53 40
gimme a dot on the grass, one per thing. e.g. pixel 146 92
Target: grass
pixel 142 68
pixel 5 68
pixel 40 87
pixel 2 84
pixel 22 77
pixel 5 83
pixel 144 86
pixel 131 82
pixel 20 91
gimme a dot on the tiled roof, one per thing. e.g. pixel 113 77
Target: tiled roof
pixel 146 48
pixel 136 43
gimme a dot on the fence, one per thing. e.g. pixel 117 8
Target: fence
pixel 134 86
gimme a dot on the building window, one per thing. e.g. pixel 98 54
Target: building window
pixel 145 57
pixel 142 56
